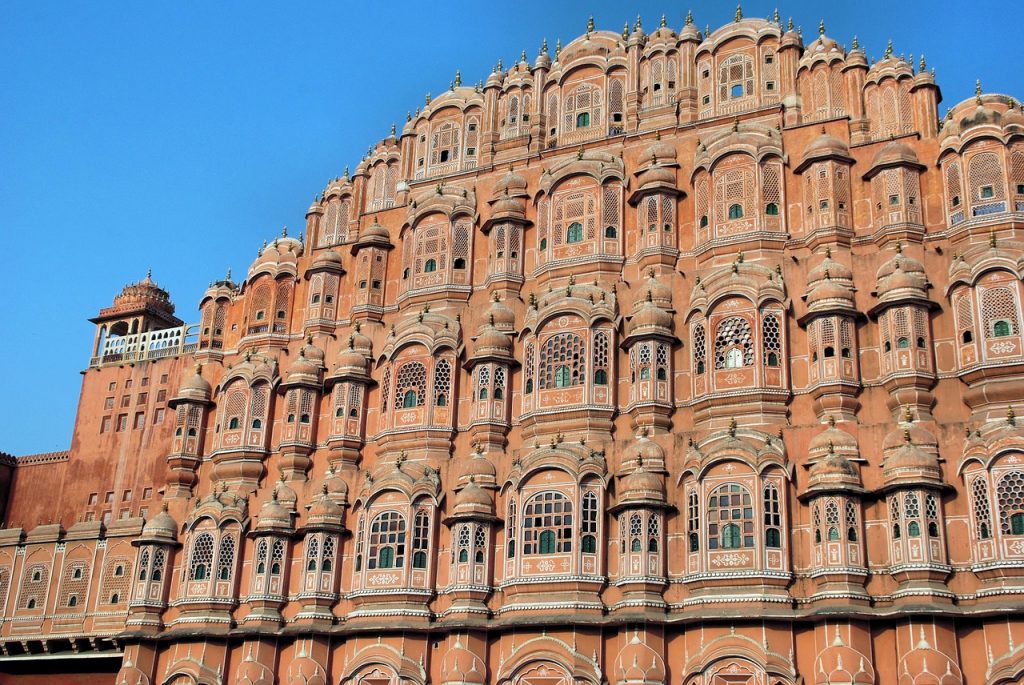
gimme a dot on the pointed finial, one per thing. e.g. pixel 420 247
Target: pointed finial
pixel 775 16
pixel 625 30
pixel 544 47
pixel 149 272
pixel 590 25
pixel 888 49
pixel 284 231
pixel 821 27
pixel 408 116
pixel 732 428
pixel 789 24
pixel 428 98
pixel 977 91
pixel 664 22
pixel 707 30
pixel 522 56
pixel 1011 418
pixel 992 239
pixel 856 44
pixel 558 48
pixel 689 17
pixel 345 173
pixel 394 129
pixel 637 26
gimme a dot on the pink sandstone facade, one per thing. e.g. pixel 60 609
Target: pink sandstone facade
pixel 669 358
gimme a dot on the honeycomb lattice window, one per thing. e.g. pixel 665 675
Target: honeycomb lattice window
pixel 772 340
pixel 117 576
pixel 982 508
pixel 200 565
pixel 851 521
pixel 442 383
pixel 1010 494
pixel 699 349
pixel 385 388
pixel 734 346
pixel 226 557
pixel 601 357
pixel 1000 305
pixel 562 361
pixel 985 171
pixel 411 378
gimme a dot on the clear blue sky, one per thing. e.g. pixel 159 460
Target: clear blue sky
pixel 180 135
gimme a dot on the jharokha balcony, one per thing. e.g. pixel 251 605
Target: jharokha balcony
pixel 127 349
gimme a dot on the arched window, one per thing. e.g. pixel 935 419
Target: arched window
pixel 410 385
pixel 588 529
pixel 982 509
pixel 583 120
pixel 511 530
pixel 226 557
pixel 387 541
pixel 734 344
pixel 547 524
pixel 735 211
pixel 771 209
pixel 409 399
pixel 1000 329
pixel 693 521
pixel 420 539
pixel 430 266
pixel 730 502
pixel 772 516
pixel 1010 494
pixel 562 361
pixel 202 557
pixel 574 233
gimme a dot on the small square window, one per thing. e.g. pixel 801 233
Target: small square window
pixel 158 416
pixel 126 400
pixel 126 496
pixel 769 58
pixel 108 403
pixel 147 493
pixel 1020 188
pixel 444 155
pixel 894 199
pixel 823 204
pixel 163 379
pixel 911 200
pixel 128 384
pixel 769 85
pixel 706 73
pixel 706 100
pixel 419 162
pixel 736 91
pixel 126 513
pixel 144 512
pixel 90 516
pixel 987 192
pixel 109 497
pixel 111 386
pixel 145 381
pixel 376 285
pixel 94 497
pixel 362 285
pixel 122 422
pixel 143 396
pixel 105 425
pixel 140 420
pixel 161 395
pixel 470 151
pixel 472 127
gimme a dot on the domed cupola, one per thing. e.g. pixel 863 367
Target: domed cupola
pixel 274 517
pixel 833 441
pixel 649 319
pixel 910 456
pixel 195 390
pixel 337 488
pixel 643 451
pixel 689 32
pixel 834 472
pixel 352 363
pixel 824 147
pixel 830 292
pixel 477 469
pixel 657 170
pixel 821 49
pixel 373 235
pixel 324 513
pixel 145 294
pixel 279 257
pixel 162 529
pixel 641 486
pixel 306 368
pixel 473 501
pixel 504 319
pixel 902 279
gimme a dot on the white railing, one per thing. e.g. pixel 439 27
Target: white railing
pixel 168 342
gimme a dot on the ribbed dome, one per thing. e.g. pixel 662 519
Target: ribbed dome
pixel 145 293
pixel 374 234
pixel 478 468
pixel 831 268
pixel 510 184
pixel 901 277
pixel 895 153
pixel 834 471
pixel 650 318
pixel 195 389
pixel 274 517
pixel 641 485
pixel 661 292
pixel 324 511
pixel 910 456
pixel 492 343
pixel 326 260
pixel 305 369
pixel 503 317
pixel 161 528
pixel 660 151
pixel 832 440
pixel 473 500
pixel 462 666
pixel 829 292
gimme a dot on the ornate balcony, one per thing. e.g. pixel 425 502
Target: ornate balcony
pixel 128 349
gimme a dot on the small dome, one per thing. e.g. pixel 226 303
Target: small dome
pixel 661 292
pixel 899 277
pixel 649 317
pixel 831 268
pixel 324 511
pixel 305 369
pixel 374 233
pixel 641 485
pixel 337 488
pixel 829 292
pixel 895 153
pixel 510 184
pixel 492 342
pixel 824 146
pixel 910 456
pixel 645 452
pixel 273 516
pixel 195 389
pixel 145 293
pixel 834 471
pixel 326 260
pixel 832 440
pixel 660 151
pixel 161 527
pixel 473 500
pixel 503 317
pixel 351 362
pixel 656 174
pixel 478 468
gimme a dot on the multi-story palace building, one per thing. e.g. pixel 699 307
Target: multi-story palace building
pixel 668 358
